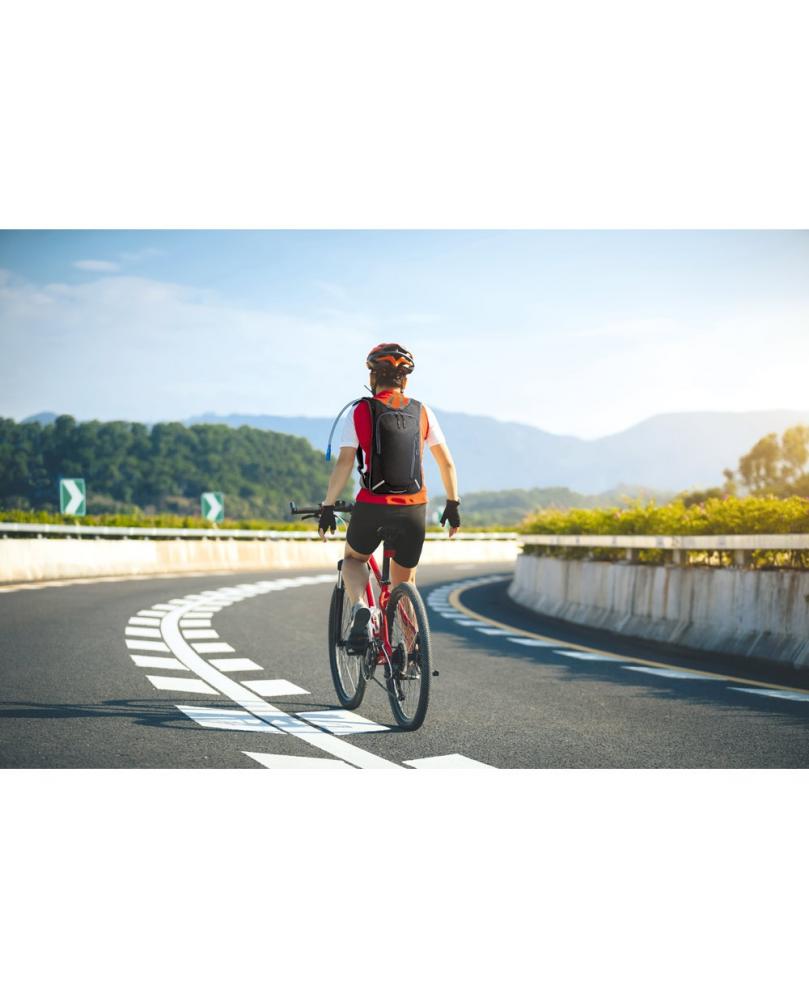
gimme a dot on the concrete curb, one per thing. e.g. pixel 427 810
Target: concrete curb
pixel 755 613
pixel 24 560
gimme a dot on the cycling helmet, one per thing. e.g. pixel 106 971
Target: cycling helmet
pixel 390 356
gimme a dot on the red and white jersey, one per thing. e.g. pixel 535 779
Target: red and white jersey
pixel 357 433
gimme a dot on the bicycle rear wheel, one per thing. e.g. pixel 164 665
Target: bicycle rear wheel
pixel 346 671
pixel 409 632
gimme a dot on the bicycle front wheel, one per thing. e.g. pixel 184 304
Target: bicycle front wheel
pixel 346 671
pixel 409 632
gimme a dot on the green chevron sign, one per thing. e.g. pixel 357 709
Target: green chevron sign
pixel 213 506
pixel 72 497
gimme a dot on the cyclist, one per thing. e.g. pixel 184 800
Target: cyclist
pixel 387 435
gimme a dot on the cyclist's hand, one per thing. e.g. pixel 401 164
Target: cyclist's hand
pixel 452 515
pixel 327 521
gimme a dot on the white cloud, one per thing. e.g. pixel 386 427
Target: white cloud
pixel 96 265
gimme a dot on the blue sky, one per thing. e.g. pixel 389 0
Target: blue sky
pixel 575 332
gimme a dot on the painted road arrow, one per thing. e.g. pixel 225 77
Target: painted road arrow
pixel 72 496
pixel 213 506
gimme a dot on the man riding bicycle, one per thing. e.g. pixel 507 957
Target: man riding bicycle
pixel 387 435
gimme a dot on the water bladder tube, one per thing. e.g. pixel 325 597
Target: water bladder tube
pixel 331 433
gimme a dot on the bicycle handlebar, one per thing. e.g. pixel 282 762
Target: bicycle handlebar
pixel 341 507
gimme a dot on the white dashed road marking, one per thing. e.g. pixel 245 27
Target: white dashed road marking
pixel 286 761
pixel 234 664
pixel 213 647
pixel 155 647
pixel 163 662
pixel 664 672
pixel 772 693
pixel 450 760
pixel 145 633
pixel 531 642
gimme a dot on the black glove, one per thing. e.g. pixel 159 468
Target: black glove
pixel 451 514
pixel 327 521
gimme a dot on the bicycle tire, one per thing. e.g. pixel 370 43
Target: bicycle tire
pixel 410 710
pixel 346 671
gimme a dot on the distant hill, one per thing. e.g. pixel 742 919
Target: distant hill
pixel 669 452
pixel 44 418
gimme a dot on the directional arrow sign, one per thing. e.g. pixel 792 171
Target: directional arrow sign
pixel 213 506
pixel 72 496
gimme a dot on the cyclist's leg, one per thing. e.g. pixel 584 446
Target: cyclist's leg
pixel 402 574
pixel 355 574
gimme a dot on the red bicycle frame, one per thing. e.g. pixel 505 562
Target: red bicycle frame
pixel 383 579
pixel 384 597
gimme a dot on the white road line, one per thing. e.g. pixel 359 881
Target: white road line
pixel 274 688
pixel 504 632
pixel 227 718
pixel 197 616
pixel 342 722
pixel 576 655
pixel 277 761
pixel 200 633
pixel 143 621
pixel 260 708
pixel 145 633
pixel 213 647
pixel 235 663
pixel 530 642
pixel 449 760
pixel 665 672
pixel 163 662
pixel 772 693
pixel 155 647
pixel 163 607
pixel 191 685
pixel 150 613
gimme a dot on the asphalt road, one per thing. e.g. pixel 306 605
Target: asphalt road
pixel 92 676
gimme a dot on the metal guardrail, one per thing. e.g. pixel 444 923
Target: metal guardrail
pixel 683 543
pixel 11 529
pixel 712 543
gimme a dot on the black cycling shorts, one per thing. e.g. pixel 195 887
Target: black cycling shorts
pixel 410 521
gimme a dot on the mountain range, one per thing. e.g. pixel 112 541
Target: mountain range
pixel 668 452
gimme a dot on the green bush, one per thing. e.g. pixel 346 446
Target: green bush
pixel 752 515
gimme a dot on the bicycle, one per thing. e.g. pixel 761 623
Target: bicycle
pixel 400 636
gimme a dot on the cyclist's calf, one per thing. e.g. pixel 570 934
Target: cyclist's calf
pixel 355 573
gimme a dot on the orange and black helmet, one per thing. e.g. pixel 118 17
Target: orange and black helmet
pixel 390 356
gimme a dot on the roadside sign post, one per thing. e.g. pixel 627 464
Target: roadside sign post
pixel 73 497
pixel 213 506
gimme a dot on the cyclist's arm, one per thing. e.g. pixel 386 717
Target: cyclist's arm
pixel 449 476
pixel 340 474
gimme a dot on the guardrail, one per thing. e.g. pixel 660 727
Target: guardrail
pixel 677 545
pixel 10 529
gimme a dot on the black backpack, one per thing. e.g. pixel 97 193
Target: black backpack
pixel 395 457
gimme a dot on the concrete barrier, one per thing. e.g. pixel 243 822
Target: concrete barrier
pixel 755 613
pixel 40 559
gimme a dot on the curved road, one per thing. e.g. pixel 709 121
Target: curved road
pixel 232 671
